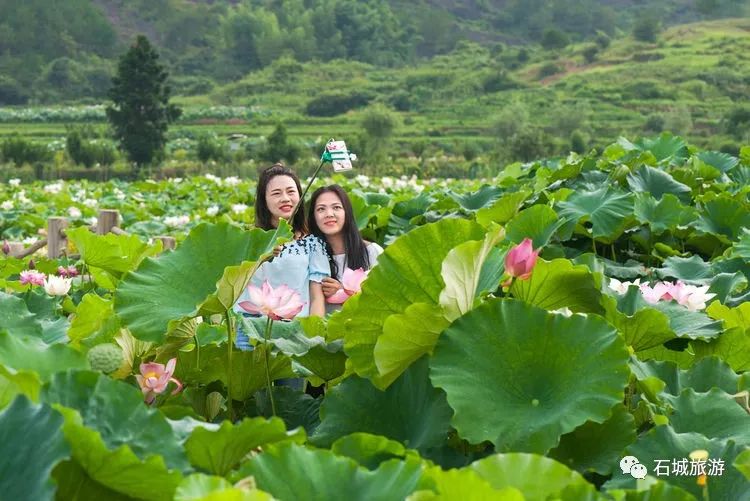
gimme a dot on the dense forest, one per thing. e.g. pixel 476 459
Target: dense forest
pixel 65 50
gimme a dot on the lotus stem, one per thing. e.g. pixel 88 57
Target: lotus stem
pixel 266 353
pixel 228 320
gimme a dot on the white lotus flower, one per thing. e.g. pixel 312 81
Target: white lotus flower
pixel 57 286
pixel 239 208
pixel 74 212
pixel 53 188
pixel 622 287
pixel 232 181
pixel 697 298
pixel 176 221
pixel 14 182
pixel 7 205
pixel 213 210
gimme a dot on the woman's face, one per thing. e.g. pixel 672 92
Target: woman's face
pixel 329 213
pixel 281 197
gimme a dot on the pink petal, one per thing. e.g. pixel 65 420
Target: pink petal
pixel 249 307
pixel 171 366
pixel 179 386
pixel 338 298
pixel 157 369
pixel 256 295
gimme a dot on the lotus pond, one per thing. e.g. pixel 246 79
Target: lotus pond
pixel 616 369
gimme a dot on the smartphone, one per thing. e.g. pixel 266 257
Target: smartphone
pixel 339 156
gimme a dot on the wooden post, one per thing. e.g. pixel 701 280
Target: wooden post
pixel 57 242
pixel 107 220
pixel 168 243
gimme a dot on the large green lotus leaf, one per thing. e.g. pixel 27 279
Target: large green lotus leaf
pixel 742 463
pixel 643 329
pixel 200 487
pixel 559 284
pixel 26 353
pixel 662 215
pixel 13 383
pixel 738 316
pixel 538 222
pixel 291 472
pixel 410 411
pixel 115 254
pixel 713 414
pixel 363 212
pixel 370 450
pixel 407 336
pixel 689 324
pixel 482 198
pixel 722 161
pixel 94 318
pixel 31 444
pixel 218 451
pixel 657 183
pixel 724 217
pixel 692 269
pixel 521 377
pixel 608 212
pixel 296 408
pixel 665 147
pixel 683 359
pixel 203 276
pixel 503 209
pixel 707 373
pixel 16 318
pixel 462 272
pixel 119 470
pixel 597 446
pixel 524 472
pixel 73 483
pixel 409 271
pixel 663 443
pixel 463 483
pixel 733 346
pixel 115 410
pixel 742 248
pixel 656 490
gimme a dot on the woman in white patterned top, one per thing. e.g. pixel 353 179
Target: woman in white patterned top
pixel 331 217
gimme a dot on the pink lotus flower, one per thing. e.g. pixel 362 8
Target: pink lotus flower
pixel 154 379
pixel 281 303
pixel 351 283
pixel 653 294
pixel 32 277
pixel 67 272
pixel 521 259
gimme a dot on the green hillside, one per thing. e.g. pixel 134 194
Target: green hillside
pixel 52 51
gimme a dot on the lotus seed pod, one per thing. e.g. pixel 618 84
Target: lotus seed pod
pixel 105 357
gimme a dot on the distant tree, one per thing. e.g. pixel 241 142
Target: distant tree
pixel 378 123
pixel 646 28
pixel 554 39
pixel 141 112
pixel 590 52
pixel 602 40
pixel 279 147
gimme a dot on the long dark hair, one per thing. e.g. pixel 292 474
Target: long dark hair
pixel 262 213
pixel 355 247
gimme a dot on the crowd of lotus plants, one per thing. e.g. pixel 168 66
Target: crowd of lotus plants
pixel 521 337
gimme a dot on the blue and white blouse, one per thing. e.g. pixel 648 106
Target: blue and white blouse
pixel 299 262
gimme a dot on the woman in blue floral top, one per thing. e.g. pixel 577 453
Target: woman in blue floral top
pixel 302 264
